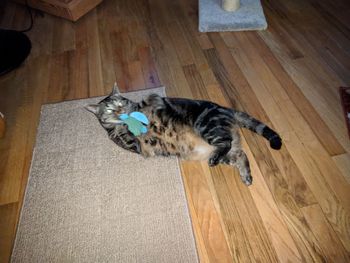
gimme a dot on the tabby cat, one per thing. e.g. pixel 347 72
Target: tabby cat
pixel 190 129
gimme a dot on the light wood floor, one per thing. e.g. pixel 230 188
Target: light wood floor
pixel 298 208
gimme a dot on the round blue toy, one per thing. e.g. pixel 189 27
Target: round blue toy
pixel 136 122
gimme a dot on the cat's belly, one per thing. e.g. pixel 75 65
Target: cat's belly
pixel 195 148
pixel 185 144
pixel 190 146
pixel 200 152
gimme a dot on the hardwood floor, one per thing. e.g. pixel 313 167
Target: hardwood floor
pixel 298 208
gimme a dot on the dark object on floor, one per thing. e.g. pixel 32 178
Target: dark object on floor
pixel 15 47
pixel 345 100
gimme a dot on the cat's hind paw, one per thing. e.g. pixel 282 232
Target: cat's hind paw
pixel 246 175
pixel 247 180
pixel 214 160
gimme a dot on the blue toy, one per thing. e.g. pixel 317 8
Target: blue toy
pixel 136 122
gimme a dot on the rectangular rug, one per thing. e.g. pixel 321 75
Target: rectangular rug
pixel 88 200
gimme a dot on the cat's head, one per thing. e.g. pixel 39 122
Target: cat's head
pixel 109 109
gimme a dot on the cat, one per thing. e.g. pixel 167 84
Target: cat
pixel 189 129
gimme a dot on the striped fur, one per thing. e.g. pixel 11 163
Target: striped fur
pixel 190 129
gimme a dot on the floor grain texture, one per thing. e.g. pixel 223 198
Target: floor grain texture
pixel 298 208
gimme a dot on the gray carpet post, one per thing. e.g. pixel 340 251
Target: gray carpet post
pixel 88 200
pixel 213 18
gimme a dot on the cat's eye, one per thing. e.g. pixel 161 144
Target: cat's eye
pixel 109 111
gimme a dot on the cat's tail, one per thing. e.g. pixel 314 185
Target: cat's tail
pixel 246 121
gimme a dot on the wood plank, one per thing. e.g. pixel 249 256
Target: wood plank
pixel 329 111
pixel 7 229
pixel 224 79
pixel 181 45
pixel 338 19
pixel 235 233
pixel 136 82
pixel 329 242
pixel 329 56
pixel 130 46
pixel 63 35
pixel 312 89
pixel 328 175
pixel 343 163
pixel 20 19
pixel 59 77
pixel 78 76
pixel 13 145
pixel 167 63
pixel 216 202
pixel 318 126
pixel 274 179
pixel 78 63
pixel 200 244
pixel 246 231
pixel 107 64
pixel 7 15
pixel 189 28
pixel 150 75
pixel 285 246
pixel 335 212
pixel 120 62
pixel 32 93
pixel 322 21
pixel 291 115
pixel 292 215
pixel 291 31
pixel 43 46
pixel 195 82
pixel 94 56
pixel 211 229
pixel 297 31
pixel 327 76
pixel 204 41
pixel 139 26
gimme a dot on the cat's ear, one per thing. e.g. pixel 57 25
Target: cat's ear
pixel 115 90
pixel 92 108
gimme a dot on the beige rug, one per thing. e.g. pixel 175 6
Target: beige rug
pixel 88 200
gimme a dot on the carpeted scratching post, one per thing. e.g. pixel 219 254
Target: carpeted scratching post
pixel 231 15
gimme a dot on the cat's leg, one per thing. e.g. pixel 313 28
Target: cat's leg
pixel 153 100
pixel 239 159
pixel 221 139
pixel 222 148
pixel 216 129
pixel 125 139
